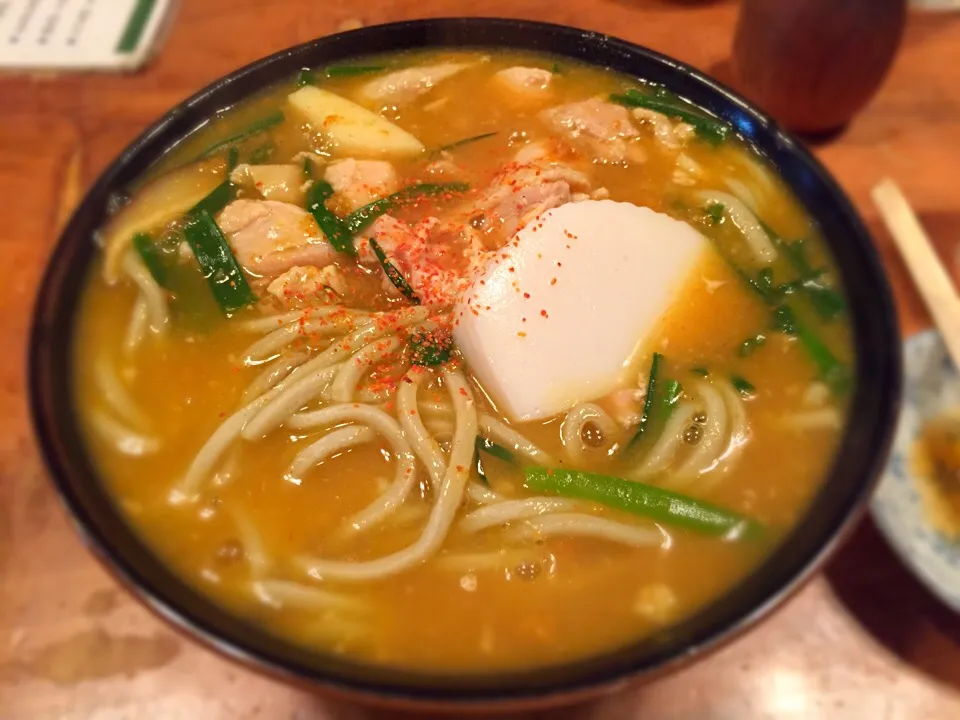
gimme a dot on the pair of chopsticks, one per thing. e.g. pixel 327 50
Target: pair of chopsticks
pixel 928 273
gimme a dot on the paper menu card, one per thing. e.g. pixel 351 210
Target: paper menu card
pixel 79 34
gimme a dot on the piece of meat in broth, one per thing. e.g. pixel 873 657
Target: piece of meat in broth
pixel 404 86
pixel 308 284
pixel 525 81
pixel 605 127
pixel 520 193
pixel 437 259
pixel 270 237
pixel 358 182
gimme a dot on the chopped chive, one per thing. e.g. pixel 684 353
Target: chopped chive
pixel 750 345
pixel 360 218
pixel 215 200
pixel 429 348
pixel 333 227
pixel 307 168
pixel 394 275
pixel 150 254
pixel 830 369
pixel 335 71
pixel 699 370
pixel 784 320
pixel 465 141
pixel 491 448
pixel 641 499
pixel 672 392
pixel 556 68
pixel 714 212
pixel 255 128
pixel 648 399
pixel 305 77
pixel 826 301
pixel 709 129
pixel 233 158
pixel 742 385
pixel 219 266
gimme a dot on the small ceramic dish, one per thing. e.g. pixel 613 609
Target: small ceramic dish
pixel 931 385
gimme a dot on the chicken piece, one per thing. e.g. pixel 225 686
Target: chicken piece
pixel 668 135
pixel 307 283
pixel 605 127
pixel 274 182
pixel 405 86
pixel 525 82
pixel 270 237
pixel 359 182
pixel 437 259
pixel 518 194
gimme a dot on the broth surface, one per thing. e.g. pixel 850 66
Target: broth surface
pixel 493 599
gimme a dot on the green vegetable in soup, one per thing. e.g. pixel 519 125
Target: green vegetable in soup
pixel 305 77
pixel 491 448
pixel 333 228
pixel 742 386
pixel 394 275
pixel 648 399
pixel 220 268
pixel 699 370
pixel 672 392
pixel 339 71
pixel 709 129
pixel 465 141
pixel 826 301
pixel 360 218
pixel 429 348
pixel 714 212
pixel 640 499
pixel 215 201
pixel 260 126
pixel 150 254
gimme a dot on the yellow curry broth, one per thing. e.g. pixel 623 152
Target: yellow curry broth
pixel 451 613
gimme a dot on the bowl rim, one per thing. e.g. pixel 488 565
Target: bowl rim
pixel 854 470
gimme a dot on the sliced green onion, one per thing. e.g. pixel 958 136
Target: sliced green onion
pixel 333 228
pixel 700 370
pixel 465 141
pixel 335 71
pixel 742 386
pixel 830 369
pixel 399 282
pixel 641 499
pixel 709 129
pixel 714 212
pixel 219 266
pixel 215 201
pixel 491 448
pixel 826 301
pixel 648 399
pixel 360 218
pixel 233 158
pixel 305 77
pixel 784 320
pixel 429 348
pixel 150 254
pixel 255 128
pixel 556 68
pixel 672 392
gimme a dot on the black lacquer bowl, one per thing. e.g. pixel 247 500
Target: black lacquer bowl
pixel 843 494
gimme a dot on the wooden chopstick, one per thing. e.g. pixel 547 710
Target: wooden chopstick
pixel 928 273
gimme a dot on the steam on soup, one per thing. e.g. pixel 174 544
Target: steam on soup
pixel 463 361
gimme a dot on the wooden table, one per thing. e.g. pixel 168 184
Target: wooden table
pixel 863 641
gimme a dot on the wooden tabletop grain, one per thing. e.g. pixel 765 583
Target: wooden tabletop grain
pixel 863 641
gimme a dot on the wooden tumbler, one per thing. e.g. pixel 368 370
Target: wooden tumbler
pixel 813 64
